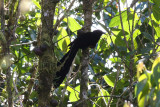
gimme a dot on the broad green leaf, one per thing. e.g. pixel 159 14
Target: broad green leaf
pixel 64 41
pixel 104 42
pixel 136 33
pixel 69 89
pixel 105 2
pixel 156 70
pixel 139 86
pixel 142 77
pixel 38 15
pixel 155 20
pixel 115 59
pixel 74 95
pixel 157 2
pixel 108 80
pixel 156 28
pixel 101 45
pixel 148 36
pixel 157 31
pixel 36 3
pixel 141 102
pixel 38 22
pixel 119 41
pixel 157 99
pixel 115 31
pixel 73 24
pixel 115 21
pixel 102 101
pixel 103 92
pixel 156 11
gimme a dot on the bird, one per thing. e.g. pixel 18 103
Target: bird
pixel 83 41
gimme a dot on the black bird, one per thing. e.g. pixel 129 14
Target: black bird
pixel 83 41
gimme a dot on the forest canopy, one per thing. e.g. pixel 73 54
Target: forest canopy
pixel 123 69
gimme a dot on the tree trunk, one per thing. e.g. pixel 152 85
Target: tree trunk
pixel 47 62
pixel 87 10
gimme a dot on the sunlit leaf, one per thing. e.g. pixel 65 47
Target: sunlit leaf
pixel 105 2
pixel 108 80
pixel 136 33
pixel 64 41
pixel 102 101
pixel 140 68
pixel 115 21
pixel 36 3
pixel 156 70
pixel 74 95
pixel 141 102
pixel 73 24
pixel 115 59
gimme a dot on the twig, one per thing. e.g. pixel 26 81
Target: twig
pixel 21 44
pixel 125 39
pixel 98 10
pixel 115 83
pixel 65 11
pixel 31 83
pixel 66 84
pixel 116 96
pixel 16 90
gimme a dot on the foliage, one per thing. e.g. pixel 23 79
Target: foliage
pixel 124 67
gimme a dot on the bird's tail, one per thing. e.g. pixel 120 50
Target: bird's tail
pixel 64 65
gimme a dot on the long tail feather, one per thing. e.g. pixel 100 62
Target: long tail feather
pixel 67 60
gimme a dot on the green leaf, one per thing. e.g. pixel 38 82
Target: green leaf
pixel 136 33
pixel 36 3
pixel 109 80
pixel 105 2
pixel 156 11
pixel 157 99
pixel 115 59
pixel 101 45
pixel 148 36
pixel 157 29
pixel 119 41
pixel 139 86
pixel 157 2
pixel 115 21
pixel 64 41
pixel 156 70
pixel 74 95
pixel 141 102
pixel 102 101
pixel 73 24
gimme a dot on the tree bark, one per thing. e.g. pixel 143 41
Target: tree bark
pixel 87 10
pixel 47 62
